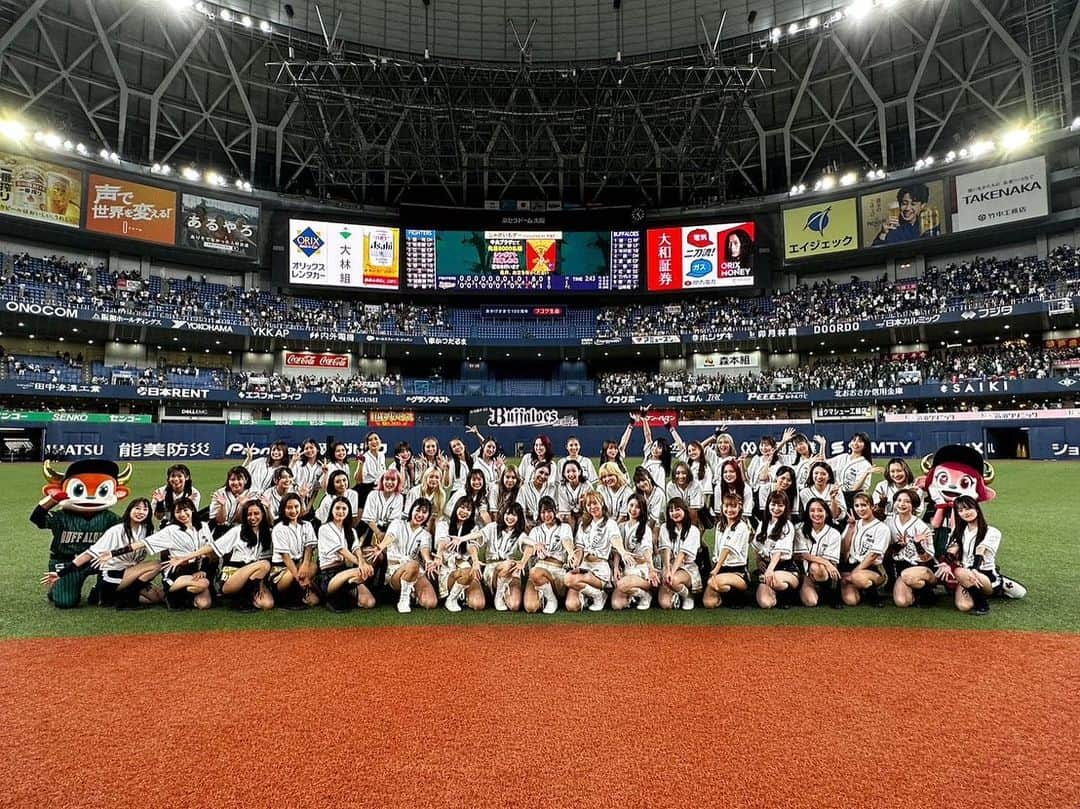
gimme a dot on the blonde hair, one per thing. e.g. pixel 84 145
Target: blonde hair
pixel 590 497
pixel 611 468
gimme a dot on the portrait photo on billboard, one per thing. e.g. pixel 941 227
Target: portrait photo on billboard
pixel 219 226
pixel 913 211
pixel 701 256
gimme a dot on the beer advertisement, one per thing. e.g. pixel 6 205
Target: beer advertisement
pixel 911 212
pixel 38 190
pixel 219 226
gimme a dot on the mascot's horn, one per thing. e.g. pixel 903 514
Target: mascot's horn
pixel 51 475
pixel 124 475
pixel 927 462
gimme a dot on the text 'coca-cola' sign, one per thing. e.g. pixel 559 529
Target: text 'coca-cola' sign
pixel 313 361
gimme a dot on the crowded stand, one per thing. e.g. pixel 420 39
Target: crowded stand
pixel 979 282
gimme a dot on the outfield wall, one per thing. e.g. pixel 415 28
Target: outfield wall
pixel 1047 439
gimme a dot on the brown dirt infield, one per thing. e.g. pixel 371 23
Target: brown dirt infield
pixel 555 716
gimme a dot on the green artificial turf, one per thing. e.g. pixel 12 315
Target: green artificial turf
pixel 1036 511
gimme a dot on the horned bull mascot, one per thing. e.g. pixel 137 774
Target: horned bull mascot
pixel 76 507
pixel 955 471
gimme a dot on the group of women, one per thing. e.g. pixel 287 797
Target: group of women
pixel 469 529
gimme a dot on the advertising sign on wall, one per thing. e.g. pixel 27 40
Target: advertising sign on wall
pixel 1001 194
pixel 219 226
pixel 130 210
pixel 337 254
pixel 701 257
pixel 905 214
pixel 391 418
pixel 323 361
pixel 44 192
pixel 821 229
pixel 523 417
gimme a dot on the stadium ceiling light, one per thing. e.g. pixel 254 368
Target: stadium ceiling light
pixel 245 21
pixel 265 27
pixel 13 130
pixel 1075 125
pixel 981 147
pixel 793 29
pixel 104 154
pixel 114 157
pixel 225 14
pixel 813 23
pixel 849 178
pixel 828 182
pixel 1015 139
pixel 81 149
pixel 774 35
pixel 189 173
pixel 859 10
pixel 950 156
pixel 52 140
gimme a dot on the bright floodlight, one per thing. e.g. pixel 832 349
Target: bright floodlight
pixel 775 34
pixel 981 147
pixel 226 14
pixel 1015 139
pixel 849 178
pixel 245 21
pixel 264 26
pixel 189 173
pixel 1075 124
pixel 52 140
pixel 813 23
pixel 828 182
pixel 12 130
pixel 860 9
pixel 793 29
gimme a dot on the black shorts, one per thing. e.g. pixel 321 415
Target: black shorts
pixel 178 599
pixel 788 566
pixel 902 566
pixel 322 581
pixel 107 592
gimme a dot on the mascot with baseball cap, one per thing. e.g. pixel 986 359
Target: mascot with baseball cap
pixel 953 471
pixel 85 494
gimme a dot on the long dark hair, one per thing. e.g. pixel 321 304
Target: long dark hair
pixel 147 522
pixel 826 467
pixel 167 503
pixel 547 502
pixel 549 452
pixel 867 453
pixel 281 507
pixel 186 502
pixel 350 532
pixel 702 464
pixel 333 476
pixel 672 526
pixel 781 521
pixel 665 454
pixel 604 447
pixel 465 458
pixel 643 510
pixel 738 487
pixel 807 526
pixel 721 518
pixel 519 526
pixel 239 472
pixel 466 526
pixel 263 539
pixel 961 526
pixel 284 455
pixel 318 452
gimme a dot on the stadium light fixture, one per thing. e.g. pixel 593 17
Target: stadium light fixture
pixel 860 10
pixel 81 149
pixel 265 27
pixel 1075 126
pixel 828 182
pixel 225 14
pixel 13 130
pixel 950 156
pixel 104 154
pixel 114 157
pixel 981 147
pixel 849 178
pixel 793 29
pixel 813 23
pixel 245 21
pixel 52 140
pixel 1015 139
pixel 774 35
pixel 191 174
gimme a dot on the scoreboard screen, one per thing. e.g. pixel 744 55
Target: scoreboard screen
pixel 523 260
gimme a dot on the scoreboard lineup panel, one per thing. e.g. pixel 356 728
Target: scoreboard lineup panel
pixel 523 260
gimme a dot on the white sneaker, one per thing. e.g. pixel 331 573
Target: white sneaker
pixel 676 600
pixel 403 604
pixel 585 600
pixel 548 600
pixel 500 595
pixel 687 602
pixel 644 600
pixel 1012 589
pixel 598 602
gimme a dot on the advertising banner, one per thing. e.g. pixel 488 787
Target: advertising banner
pixel 701 257
pixel 321 361
pixel 522 417
pixel 35 189
pixel 391 418
pixel 1001 194
pixel 130 210
pixel 911 212
pixel 821 229
pixel 219 226
pixel 337 254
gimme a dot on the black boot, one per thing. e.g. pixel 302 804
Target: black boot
pixel 836 595
pixel 925 597
pixel 981 605
pixel 872 598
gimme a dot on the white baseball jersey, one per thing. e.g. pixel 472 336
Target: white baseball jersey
pixel 783 545
pixel 383 510
pixel 500 544
pixel 232 503
pixel 548 542
pixel 747 495
pixel 870 539
pixel 322 513
pixel 113 538
pixel 568 499
pixel 406 541
pixel 596 537
pixel 824 543
pixel 641 549
pixel 331 542
pixel 655 469
pixel 178 540
pixel 692 494
pixel 988 548
pixel 735 539
pixel 233 545
pixel 886 490
pixel 687 543
pixel 848 469
pixel 372 466
pixel 907 534
pixel 291 540
pixel 529 497
pixel 616 500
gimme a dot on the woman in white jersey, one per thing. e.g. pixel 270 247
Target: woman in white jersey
pixel 866 542
pixel 729 578
pixel 679 543
pixel 913 552
pixel 544 556
pixel 635 574
pixel 292 565
pixel 590 569
pixel 817 547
